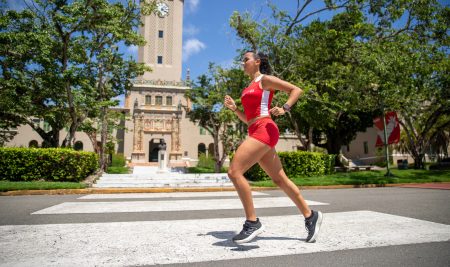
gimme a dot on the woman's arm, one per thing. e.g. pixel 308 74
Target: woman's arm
pixel 269 82
pixel 229 103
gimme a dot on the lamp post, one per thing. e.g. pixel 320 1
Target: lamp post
pixel 386 145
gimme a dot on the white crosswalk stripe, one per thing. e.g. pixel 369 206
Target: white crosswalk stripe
pixel 168 195
pixel 166 205
pixel 196 240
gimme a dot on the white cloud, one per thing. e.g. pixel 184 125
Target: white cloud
pixel 190 30
pixel 192 5
pixel 192 46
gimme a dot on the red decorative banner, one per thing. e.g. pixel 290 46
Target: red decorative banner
pixel 392 129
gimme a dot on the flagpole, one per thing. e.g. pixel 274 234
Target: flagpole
pixel 386 145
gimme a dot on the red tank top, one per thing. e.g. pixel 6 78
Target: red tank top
pixel 255 100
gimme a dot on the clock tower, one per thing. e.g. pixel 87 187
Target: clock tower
pixel 163 33
pixel 156 99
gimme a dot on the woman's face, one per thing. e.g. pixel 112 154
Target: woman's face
pixel 249 63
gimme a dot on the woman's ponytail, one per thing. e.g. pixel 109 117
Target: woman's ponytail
pixel 264 67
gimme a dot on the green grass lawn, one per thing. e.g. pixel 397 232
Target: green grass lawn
pixel 36 185
pixel 350 178
pixel 368 177
pixel 117 170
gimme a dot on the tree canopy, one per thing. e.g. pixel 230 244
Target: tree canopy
pixel 398 47
pixel 60 62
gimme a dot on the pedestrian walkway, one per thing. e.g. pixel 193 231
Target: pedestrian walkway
pixel 163 180
pixel 152 242
pixel 445 186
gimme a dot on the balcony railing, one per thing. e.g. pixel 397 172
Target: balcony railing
pixel 161 83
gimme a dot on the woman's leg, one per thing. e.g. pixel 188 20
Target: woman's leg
pixel 248 153
pixel 271 164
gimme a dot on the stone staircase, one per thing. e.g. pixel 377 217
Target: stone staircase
pixel 146 177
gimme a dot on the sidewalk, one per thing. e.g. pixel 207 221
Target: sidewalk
pixel 444 186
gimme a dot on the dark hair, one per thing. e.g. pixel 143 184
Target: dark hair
pixel 264 67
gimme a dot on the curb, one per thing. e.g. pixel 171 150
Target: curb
pixel 171 190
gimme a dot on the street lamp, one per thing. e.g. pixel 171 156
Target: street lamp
pixel 386 145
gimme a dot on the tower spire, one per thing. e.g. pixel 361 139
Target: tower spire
pixel 188 76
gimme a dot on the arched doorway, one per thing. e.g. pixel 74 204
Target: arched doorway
pixel 33 143
pixel 78 146
pixel 153 150
pixel 201 149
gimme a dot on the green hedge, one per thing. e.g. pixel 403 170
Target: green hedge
pixel 50 164
pixel 297 163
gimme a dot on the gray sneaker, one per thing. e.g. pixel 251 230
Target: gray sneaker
pixel 312 225
pixel 250 231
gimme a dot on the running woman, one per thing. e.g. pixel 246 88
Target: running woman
pixel 260 146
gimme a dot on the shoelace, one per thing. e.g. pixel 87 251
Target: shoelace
pixel 307 223
pixel 247 227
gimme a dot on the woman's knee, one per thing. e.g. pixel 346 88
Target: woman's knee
pixel 233 173
pixel 280 180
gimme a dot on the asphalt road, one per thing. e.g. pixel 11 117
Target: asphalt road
pixel 347 239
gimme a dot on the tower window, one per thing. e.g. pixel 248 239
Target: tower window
pixel 169 101
pixel 161 34
pixel 148 100
pixel 366 148
pixel 160 60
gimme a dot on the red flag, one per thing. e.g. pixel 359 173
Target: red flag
pixel 392 129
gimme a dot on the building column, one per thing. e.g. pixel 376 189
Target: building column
pixel 175 153
pixel 138 154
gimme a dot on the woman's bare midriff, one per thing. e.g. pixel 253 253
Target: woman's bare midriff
pixel 257 118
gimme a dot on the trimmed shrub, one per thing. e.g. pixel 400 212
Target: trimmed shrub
pixel 49 164
pixel 117 166
pixel 118 160
pixel 297 163
pixel 206 162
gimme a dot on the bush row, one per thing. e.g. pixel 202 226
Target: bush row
pixel 50 164
pixel 297 163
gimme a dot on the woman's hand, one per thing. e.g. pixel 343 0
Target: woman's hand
pixel 276 111
pixel 229 103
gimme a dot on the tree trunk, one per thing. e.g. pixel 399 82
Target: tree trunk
pixel 68 141
pixel 333 145
pixel 103 138
pixel 310 137
pixel 218 164
pixel 305 143
pixel 419 161
pixel 51 139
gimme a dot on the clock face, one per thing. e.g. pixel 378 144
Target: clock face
pixel 163 9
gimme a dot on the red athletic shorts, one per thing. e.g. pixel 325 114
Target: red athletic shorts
pixel 265 130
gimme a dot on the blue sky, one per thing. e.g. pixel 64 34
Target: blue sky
pixel 207 36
